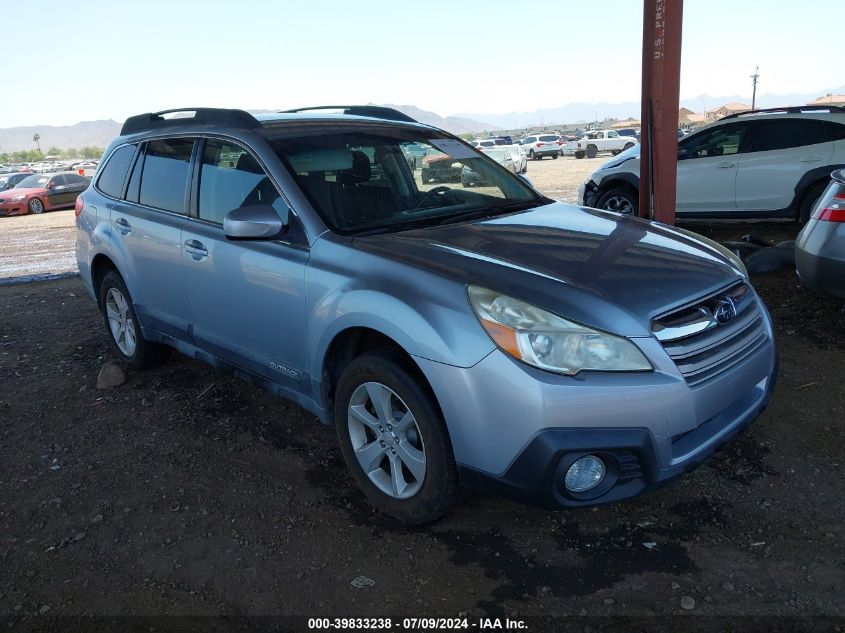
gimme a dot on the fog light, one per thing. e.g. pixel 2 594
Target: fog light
pixel 585 474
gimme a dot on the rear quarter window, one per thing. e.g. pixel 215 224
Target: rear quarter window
pixel 113 174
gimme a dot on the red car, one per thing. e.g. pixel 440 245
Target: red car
pixel 42 192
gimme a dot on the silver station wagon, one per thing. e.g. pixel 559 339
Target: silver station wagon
pixel 487 337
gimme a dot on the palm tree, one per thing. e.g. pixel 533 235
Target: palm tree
pixel 36 138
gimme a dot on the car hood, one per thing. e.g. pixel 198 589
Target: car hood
pixel 608 271
pixel 17 191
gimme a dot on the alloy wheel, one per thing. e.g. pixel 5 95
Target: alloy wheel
pixel 386 440
pixel 121 324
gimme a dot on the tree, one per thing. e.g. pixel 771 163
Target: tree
pixel 36 138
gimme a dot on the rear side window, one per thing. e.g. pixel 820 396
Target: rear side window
pixel 775 135
pixel 113 175
pixel 165 174
pixel 836 131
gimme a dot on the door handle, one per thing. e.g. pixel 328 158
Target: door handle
pixel 725 165
pixel 123 226
pixel 196 249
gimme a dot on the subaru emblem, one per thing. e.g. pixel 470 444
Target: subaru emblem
pixel 725 311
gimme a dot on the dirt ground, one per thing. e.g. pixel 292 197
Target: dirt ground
pixel 187 492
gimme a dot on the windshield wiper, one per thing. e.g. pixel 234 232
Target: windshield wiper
pixel 486 212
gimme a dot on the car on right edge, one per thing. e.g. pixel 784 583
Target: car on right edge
pixel 764 163
pixel 820 247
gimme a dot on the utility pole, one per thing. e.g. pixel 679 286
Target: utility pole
pixel 754 78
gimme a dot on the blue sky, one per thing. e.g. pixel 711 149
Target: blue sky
pixel 110 59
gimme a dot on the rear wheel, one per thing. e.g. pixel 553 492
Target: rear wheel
pixel 394 440
pixel 123 327
pixel 36 206
pixel 592 151
pixel 808 202
pixel 619 200
pixel 579 154
pixel 531 155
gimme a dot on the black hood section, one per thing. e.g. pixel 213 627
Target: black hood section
pixel 608 271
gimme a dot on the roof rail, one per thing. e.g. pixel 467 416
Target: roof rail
pixel 378 112
pixel 788 110
pixel 206 116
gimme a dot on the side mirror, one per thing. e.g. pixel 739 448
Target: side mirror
pixel 51 185
pixel 256 222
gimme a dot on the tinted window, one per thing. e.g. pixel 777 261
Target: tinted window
pixel 724 140
pixel 73 179
pixel 113 174
pixel 165 174
pixel 58 181
pixel 774 135
pixel 836 131
pixel 548 138
pixel 231 178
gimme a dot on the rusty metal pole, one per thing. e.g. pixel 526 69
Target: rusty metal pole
pixel 662 21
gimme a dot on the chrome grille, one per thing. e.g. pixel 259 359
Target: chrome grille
pixel 701 346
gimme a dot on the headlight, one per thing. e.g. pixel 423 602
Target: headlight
pixel 549 342
pixel 18 198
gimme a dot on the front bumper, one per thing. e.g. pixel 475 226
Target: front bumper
pixel 515 429
pixel 588 193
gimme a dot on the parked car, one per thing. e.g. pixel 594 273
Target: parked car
pixel 439 167
pixel 520 158
pixel 539 145
pixel 10 180
pixel 471 178
pixel 768 163
pixel 414 153
pixel 597 141
pixel 42 192
pixel 820 247
pixel 630 132
pixel 491 338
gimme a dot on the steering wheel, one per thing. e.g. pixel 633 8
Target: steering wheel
pixel 440 189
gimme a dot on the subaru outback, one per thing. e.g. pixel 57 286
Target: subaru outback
pixel 490 338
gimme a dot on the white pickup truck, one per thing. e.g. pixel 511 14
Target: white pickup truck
pixel 597 141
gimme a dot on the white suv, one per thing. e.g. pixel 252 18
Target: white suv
pixel 538 145
pixel 766 163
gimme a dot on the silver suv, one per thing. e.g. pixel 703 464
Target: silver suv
pixel 486 337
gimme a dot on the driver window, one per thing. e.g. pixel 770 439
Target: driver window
pixel 723 141
pixel 231 178
pixel 612 135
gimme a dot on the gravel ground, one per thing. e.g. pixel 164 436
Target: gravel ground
pixel 187 492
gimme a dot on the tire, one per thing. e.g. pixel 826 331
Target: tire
pixel 620 200
pixel 525 169
pixel 554 156
pixel 579 155
pixel 370 377
pixel 615 152
pixel 35 206
pixel 809 200
pixel 122 325
pixel 628 146
pixel 592 151
pixel 531 155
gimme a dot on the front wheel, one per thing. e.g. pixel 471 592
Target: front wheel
pixel 628 146
pixel 619 200
pixel 531 155
pixel 36 206
pixel 393 439
pixel 123 327
pixel 579 154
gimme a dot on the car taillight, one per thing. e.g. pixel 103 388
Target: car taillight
pixel 77 208
pixel 833 210
pixel 539 143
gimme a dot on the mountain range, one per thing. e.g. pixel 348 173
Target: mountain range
pixel 100 133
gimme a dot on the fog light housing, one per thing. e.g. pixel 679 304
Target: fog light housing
pixel 585 474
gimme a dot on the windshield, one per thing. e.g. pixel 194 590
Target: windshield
pixel 36 181
pixel 361 178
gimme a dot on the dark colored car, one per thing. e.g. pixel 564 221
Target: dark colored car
pixel 629 131
pixel 440 168
pixel 43 192
pixel 820 247
pixel 7 181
